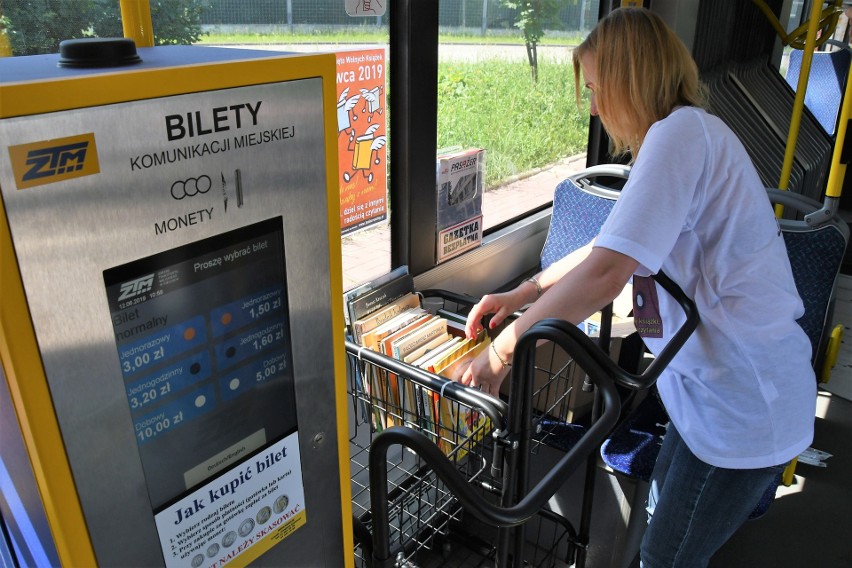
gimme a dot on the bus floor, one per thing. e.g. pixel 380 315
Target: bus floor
pixel 808 525
pixel 810 521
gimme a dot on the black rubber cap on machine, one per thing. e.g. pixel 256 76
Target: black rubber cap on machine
pixel 98 52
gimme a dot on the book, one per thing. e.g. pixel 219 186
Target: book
pixel 366 287
pixel 411 403
pixel 430 354
pixel 436 327
pixel 389 382
pixel 380 296
pixel 454 368
pixel 461 426
pixel 424 349
pixel 377 379
pixel 443 360
pixel 455 322
pixel 385 343
pixel 425 399
pixel 375 321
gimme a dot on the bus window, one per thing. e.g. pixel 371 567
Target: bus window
pixel 495 91
pixel 512 97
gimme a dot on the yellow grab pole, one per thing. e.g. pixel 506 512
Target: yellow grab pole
pixel 136 22
pixel 799 102
pixel 5 45
pixel 837 170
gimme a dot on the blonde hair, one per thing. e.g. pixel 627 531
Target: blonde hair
pixel 643 71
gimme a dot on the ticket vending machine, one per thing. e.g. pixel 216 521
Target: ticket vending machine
pixel 170 320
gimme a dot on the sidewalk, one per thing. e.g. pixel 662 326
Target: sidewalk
pixel 366 254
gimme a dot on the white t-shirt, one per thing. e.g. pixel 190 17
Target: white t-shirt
pixel 741 392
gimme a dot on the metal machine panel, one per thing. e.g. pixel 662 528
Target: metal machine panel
pixel 175 256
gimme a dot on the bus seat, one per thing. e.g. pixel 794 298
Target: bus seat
pixel 816 254
pixel 826 82
pixel 580 207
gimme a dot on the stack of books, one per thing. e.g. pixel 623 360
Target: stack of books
pixel 387 316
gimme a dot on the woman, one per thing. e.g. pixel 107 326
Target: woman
pixel 741 393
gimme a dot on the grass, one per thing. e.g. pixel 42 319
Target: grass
pixel 494 105
pixel 358 35
pixel 522 125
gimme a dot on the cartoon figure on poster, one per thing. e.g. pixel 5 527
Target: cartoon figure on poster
pixel 372 102
pixel 345 104
pixel 365 150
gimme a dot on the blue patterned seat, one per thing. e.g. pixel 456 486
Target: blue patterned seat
pixel 826 82
pixel 580 208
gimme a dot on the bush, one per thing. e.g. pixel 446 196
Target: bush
pixel 175 22
pixel 37 26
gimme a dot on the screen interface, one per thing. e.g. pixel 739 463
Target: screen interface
pixel 203 339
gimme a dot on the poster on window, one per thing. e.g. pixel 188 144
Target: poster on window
pixel 362 138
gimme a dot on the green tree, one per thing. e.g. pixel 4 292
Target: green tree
pixel 175 22
pixel 37 26
pixel 533 16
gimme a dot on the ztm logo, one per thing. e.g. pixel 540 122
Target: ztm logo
pixel 191 187
pixel 136 287
pixel 54 160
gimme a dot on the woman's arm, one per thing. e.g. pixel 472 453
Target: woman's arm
pixel 505 304
pixel 580 292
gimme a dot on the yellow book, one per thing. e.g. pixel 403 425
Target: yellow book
pixel 461 426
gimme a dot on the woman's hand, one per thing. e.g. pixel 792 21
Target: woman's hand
pixel 485 372
pixel 500 305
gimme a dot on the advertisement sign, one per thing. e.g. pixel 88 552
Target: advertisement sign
pixel 362 138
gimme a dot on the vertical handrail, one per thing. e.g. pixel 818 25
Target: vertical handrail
pixel 837 168
pixel 799 102
pixel 136 22
pixel 840 158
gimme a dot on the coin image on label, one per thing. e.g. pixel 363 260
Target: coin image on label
pixel 245 527
pixel 263 515
pixel 197 560
pixel 229 539
pixel 212 550
pixel 280 504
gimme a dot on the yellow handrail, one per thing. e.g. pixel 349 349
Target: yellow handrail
pixel 826 18
pixel 799 102
pixel 837 169
pixel 136 22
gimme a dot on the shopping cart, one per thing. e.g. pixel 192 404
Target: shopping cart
pixel 425 516
pixel 434 492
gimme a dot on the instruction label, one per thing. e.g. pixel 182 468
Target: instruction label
pixel 250 508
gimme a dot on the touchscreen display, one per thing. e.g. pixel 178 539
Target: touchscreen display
pixel 203 340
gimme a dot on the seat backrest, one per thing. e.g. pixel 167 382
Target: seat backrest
pixel 580 207
pixel 816 255
pixel 826 83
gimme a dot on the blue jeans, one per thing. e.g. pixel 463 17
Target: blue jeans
pixel 696 507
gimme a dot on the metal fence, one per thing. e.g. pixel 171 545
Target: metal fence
pixel 475 16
